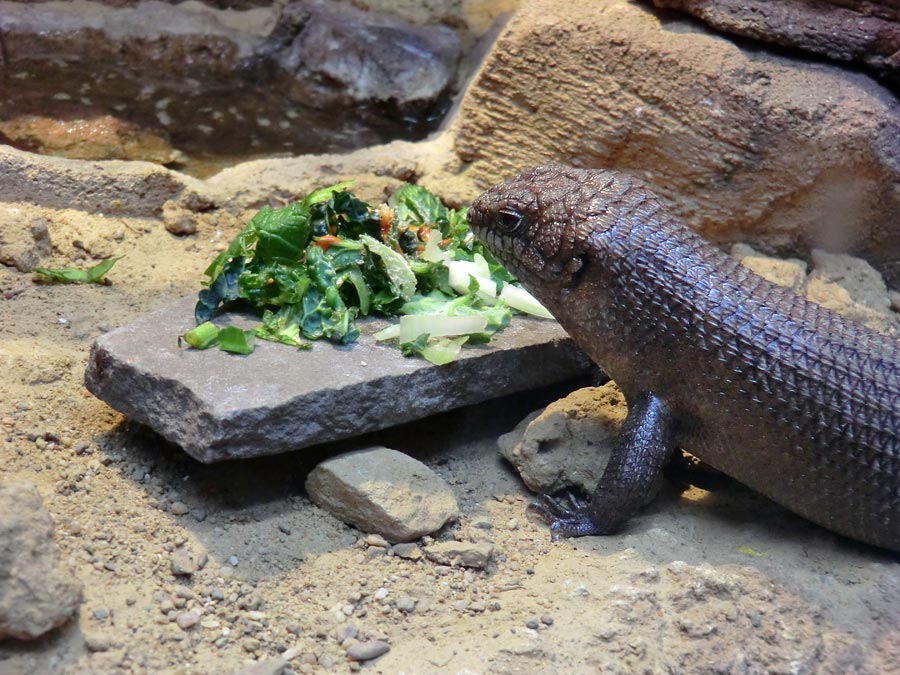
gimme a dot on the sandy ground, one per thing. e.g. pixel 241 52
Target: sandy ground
pixel 719 581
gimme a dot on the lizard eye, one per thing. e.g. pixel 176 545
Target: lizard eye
pixel 510 220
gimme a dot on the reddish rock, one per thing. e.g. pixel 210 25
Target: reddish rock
pixel 846 30
pixel 89 135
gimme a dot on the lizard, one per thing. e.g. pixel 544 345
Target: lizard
pixel 781 394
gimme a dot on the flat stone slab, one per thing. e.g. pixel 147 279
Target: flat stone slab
pixel 220 406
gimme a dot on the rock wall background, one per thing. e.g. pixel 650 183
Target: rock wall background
pixel 742 143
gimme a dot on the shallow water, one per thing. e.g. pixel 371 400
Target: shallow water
pixel 214 123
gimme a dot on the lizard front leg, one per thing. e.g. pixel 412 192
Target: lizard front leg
pixel 637 459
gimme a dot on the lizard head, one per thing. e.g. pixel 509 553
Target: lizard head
pixel 531 223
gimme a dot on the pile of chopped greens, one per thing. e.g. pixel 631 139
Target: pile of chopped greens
pixel 312 267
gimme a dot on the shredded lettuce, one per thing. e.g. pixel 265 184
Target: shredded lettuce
pixel 312 267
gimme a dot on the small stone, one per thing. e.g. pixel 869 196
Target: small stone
pixel 182 564
pixel 284 527
pixel 383 491
pixel 250 644
pixel 179 508
pixel 100 613
pixel 178 220
pixel 347 632
pixel 217 594
pixel 199 515
pixel 366 651
pixel 546 619
pixel 407 551
pixel 97 642
pixel 406 604
pixel 187 620
pixel 233 561
pixel 460 553
pixel 376 540
pixel 533 624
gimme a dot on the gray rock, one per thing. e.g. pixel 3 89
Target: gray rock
pixel 98 642
pixel 338 52
pixel 460 553
pixel 182 564
pixel 407 551
pixel 114 187
pixel 366 651
pixel 219 406
pixel 36 594
pixel 383 491
pixel 569 442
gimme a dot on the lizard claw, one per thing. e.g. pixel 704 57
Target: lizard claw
pixel 568 516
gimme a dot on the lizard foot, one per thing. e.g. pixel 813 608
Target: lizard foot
pixel 567 516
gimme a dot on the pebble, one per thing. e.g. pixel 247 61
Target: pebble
pixel 179 508
pixel 376 540
pixel 407 551
pixel 533 624
pixel 199 515
pixel 233 561
pixel 97 642
pixel 406 604
pixel 250 644
pixel 547 620
pixel 346 633
pixel 284 527
pixel 366 651
pixel 217 594
pixel 100 614
pixel 182 564
pixel 187 620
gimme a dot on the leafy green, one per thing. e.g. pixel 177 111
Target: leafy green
pixel 203 336
pixel 73 275
pixel 233 339
pixel 439 352
pixel 311 268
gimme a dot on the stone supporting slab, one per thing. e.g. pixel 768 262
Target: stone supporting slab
pixel 220 406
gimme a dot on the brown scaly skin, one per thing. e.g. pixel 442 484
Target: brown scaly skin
pixel 777 392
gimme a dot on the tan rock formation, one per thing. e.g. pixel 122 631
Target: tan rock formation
pixel 742 144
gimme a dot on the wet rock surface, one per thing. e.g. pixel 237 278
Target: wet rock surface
pixel 340 53
pixel 37 594
pixel 857 31
pixel 383 491
pixel 217 406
